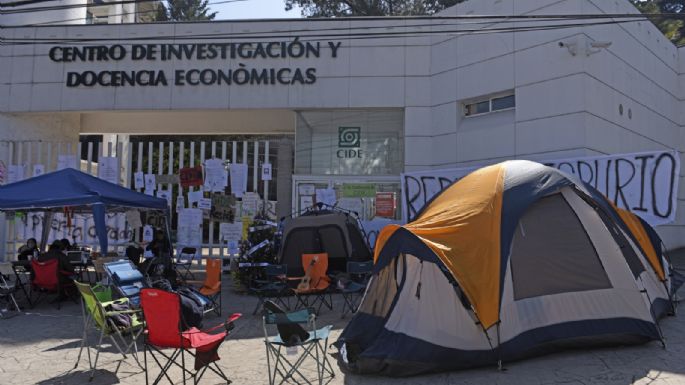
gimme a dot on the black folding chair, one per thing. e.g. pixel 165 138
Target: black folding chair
pixel 353 291
pixel 274 287
pixel 184 261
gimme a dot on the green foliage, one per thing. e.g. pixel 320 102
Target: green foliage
pixel 337 8
pixel 185 10
pixel 672 27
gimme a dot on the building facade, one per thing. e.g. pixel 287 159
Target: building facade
pixel 365 100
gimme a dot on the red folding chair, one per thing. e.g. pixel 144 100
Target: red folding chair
pixel 47 278
pixel 164 330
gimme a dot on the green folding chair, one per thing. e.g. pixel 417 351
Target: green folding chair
pixel 289 369
pixel 94 303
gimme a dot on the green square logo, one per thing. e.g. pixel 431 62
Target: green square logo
pixel 349 137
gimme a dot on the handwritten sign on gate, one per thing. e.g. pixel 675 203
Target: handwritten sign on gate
pixel 645 183
pixel 190 176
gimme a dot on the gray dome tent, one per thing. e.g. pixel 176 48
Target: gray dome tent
pixel 336 233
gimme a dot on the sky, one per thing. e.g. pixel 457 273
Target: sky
pixel 253 9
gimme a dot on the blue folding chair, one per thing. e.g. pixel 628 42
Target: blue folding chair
pixel 126 279
pixel 353 291
pixel 274 287
pixel 287 368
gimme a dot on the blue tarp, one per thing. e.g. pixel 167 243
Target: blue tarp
pixel 73 188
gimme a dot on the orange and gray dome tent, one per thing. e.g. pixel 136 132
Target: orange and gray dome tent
pixel 510 261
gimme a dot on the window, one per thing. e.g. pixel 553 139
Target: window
pixel 498 102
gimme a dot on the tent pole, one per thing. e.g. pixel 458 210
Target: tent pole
pixel 47 221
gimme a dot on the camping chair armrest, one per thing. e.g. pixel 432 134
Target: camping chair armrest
pixel 228 324
pixel 110 313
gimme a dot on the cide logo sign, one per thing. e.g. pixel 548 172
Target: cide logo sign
pixel 349 142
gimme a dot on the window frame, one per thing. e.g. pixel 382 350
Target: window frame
pixel 489 99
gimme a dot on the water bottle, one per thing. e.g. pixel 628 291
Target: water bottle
pixel 35 254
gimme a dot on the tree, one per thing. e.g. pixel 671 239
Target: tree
pixel 672 27
pixel 340 8
pixel 185 10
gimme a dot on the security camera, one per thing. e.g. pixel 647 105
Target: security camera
pixel 600 44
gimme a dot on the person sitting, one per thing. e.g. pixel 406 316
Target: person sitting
pixel 27 250
pixel 55 252
pixel 159 246
pixel 66 245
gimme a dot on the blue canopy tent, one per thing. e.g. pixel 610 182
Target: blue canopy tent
pixel 80 192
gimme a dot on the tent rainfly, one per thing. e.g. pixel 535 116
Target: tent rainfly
pixel 513 260
pixel 78 191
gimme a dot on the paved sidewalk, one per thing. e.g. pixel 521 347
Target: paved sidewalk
pixel 40 347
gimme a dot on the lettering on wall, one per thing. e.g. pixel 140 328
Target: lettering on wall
pixel 82 230
pixel 237 54
pixel 645 183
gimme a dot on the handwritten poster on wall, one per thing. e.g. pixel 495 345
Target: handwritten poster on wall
pixel 108 169
pixel 645 183
pixel 189 231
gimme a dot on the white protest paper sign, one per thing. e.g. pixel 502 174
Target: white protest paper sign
pixel 108 169
pixel 165 194
pixel 180 203
pixel 148 233
pixel 204 204
pixel 266 171
pixel 250 204
pixel 646 183
pixel 189 227
pixel 133 219
pixel 306 201
pixel 326 196
pixel 215 175
pixel 150 182
pixel 38 169
pixel 16 173
pixel 66 161
pixel 306 189
pixel 231 231
pixel 194 197
pixel 139 180
pixel 352 204
pixel 238 179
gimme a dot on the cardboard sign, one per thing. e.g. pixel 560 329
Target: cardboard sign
pixel 190 176
pixel 385 204
pixel 167 179
pixel 223 208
